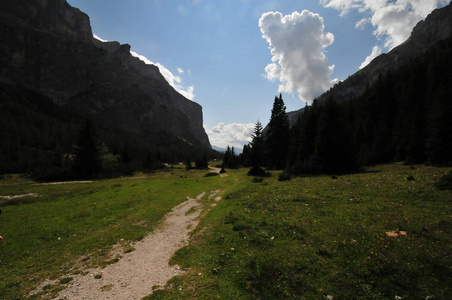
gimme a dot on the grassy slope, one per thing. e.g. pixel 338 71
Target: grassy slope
pixel 71 225
pixel 305 238
pixel 313 237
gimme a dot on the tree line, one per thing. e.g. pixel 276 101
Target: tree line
pixel 45 141
pixel 406 115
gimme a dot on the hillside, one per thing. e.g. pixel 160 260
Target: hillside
pixel 435 28
pixel 52 67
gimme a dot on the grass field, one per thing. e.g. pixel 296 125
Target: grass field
pixel 308 238
pixel 60 229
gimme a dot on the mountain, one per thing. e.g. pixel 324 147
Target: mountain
pixel 435 28
pixel 47 52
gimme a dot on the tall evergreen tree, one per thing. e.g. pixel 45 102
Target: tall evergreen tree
pixel 277 137
pixel 257 151
pixel 333 148
pixel 87 158
pixel 303 135
pixel 245 156
pixel 230 159
pixel 125 153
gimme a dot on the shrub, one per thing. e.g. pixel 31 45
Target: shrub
pixel 211 174
pixel 258 179
pixel 257 171
pixel 445 182
pixel 284 176
pixel 66 280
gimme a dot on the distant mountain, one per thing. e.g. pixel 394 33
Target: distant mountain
pixel 47 49
pixel 223 150
pixel 219 149
pixel 435 28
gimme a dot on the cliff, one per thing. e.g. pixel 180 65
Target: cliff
pixel 47 46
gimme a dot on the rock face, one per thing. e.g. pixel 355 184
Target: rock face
pixel 48 46
pixel 437 26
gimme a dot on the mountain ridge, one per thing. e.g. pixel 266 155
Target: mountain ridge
pixel 48 46
pixel 437 26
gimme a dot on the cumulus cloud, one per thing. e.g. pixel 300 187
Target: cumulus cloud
pixel 174 80
pixel 297 43
pixel 234 135
pixel 392 20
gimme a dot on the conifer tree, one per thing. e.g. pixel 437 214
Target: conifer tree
pixel 277 138
pixel 256 153
pixel 87 158
pixel 230 159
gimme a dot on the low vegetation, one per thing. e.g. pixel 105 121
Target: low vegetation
pixel 373 235
pixel 51 231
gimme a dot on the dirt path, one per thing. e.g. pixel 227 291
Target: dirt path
pixel 134 275
pixel 217 170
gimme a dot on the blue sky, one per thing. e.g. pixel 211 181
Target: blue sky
pixel 234 56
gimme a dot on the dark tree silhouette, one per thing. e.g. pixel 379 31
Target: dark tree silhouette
pixel 257 151
pixel 277 136
pixel 87 159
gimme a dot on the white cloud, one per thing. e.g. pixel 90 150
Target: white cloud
pixel 297 44
pixel 234 135
pixel 376 50
pixel 180 71
pixel 362 23
pixel 174 80
pixel 393 20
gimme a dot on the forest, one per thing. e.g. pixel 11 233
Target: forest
pixel 44 141
pixel 404 116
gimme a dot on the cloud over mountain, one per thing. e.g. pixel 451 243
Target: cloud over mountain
pixel 297 43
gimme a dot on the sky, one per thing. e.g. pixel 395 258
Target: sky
pixel 234 56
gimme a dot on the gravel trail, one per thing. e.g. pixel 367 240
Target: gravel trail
pixel 134 275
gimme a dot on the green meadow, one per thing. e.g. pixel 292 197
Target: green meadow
pixel 380 234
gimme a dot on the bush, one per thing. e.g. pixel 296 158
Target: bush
pixel 445 182
pixel 211 174
pixel 410 178
pixel 284 176
pixel 66 280
pixel 258 179
pixel 257 171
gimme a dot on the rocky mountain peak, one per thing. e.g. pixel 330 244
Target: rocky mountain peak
pixel 55 16
pixel 48 46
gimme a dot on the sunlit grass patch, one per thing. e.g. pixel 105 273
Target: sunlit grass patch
pixel 73 226
pixel 320 236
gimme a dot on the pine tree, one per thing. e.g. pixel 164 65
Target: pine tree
pixel 257 147
pixel 245 156
pixel 87 158
pixel 125 153
pixel 277 138
pixel 230 159
pixel 333 148
pixel 188 165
